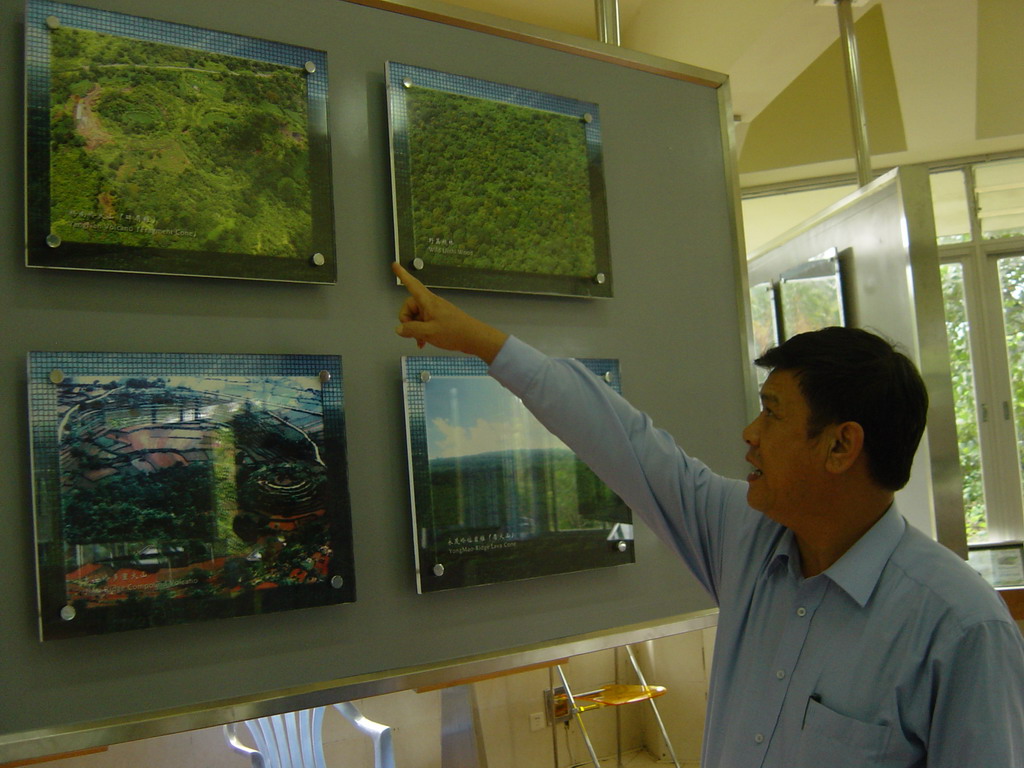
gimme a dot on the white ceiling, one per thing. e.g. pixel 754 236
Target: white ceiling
pixel 765 45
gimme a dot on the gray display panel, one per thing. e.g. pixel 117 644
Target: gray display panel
pixel 673 231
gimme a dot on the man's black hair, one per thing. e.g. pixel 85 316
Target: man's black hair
pixel 848 374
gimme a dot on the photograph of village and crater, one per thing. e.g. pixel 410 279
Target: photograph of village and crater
pixel 178 492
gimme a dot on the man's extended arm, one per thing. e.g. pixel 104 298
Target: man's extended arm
pixel 677 496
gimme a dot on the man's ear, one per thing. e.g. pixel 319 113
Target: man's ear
pixel 845 446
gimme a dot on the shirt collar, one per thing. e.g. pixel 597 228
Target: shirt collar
pixel 861 566
pixel 857 572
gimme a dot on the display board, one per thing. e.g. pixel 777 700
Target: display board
pixel 673 325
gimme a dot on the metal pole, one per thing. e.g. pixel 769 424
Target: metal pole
pixel 575 712
pixel 858 120
pixel 654 708
pixel 608 21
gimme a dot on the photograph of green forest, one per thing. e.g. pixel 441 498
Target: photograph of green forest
pixel 159 146
pixel 499 186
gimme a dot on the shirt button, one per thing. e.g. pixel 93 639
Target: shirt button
pixel 780 673
pixel 801 611
pixel 758 738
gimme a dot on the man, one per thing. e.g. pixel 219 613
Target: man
pixel 845 637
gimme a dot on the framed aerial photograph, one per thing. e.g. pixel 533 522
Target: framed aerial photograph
pixel 162 148
pixel 497 187
pixel 171 488
pixel 811 294
pixel 496 497
pixel 1000 564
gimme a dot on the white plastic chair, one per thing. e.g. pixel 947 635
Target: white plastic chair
pixel 295 740
pixel 383 750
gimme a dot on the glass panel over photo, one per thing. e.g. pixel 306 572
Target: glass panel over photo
pixel 172 488
pixel 497 187
pixel 158 147
pixel 496 496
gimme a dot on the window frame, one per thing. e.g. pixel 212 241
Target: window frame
pixel 1000 463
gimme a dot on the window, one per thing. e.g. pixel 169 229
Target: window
pixel 1000 194
pixel 982 254
pixel 949 201
pixel 1011 281
pixel 979 223
pixel 957 332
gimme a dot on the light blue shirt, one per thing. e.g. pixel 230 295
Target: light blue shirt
pixel 898 655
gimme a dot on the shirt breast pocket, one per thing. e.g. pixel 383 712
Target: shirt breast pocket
pixel 838 741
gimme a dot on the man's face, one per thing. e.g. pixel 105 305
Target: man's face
pixel 788 465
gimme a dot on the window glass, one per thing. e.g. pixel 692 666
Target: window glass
pixel 763 319
pixel 949 203
pixel 1000 191
pixel 964 400
pixel 1011 280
